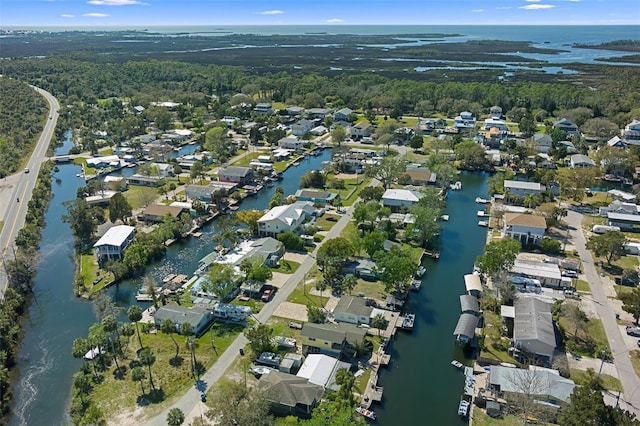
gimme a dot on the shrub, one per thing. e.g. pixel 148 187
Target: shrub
pixel 550 246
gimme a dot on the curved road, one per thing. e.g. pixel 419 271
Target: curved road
pixel 20 186
pixel 630 400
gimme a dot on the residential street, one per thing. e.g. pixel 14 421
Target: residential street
pixel 20 186
pixel 630 400
pixel 190 403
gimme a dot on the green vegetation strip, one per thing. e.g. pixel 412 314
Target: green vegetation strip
pixel 581 377
pixel 286 267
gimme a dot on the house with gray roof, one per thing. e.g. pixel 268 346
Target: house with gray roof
pixel 196 317
pixel 397 199
pixel 581 160
pixel 316 196
pixel 361 130
pixel 342 114
pixel 318 113
pixel 522 188
pixel 301 127
pixel 239 175
pixel 569 127
pixel 352 310
pixel 533 331
pixel 289 394
pixel 542 142
pixel 335 340
pixel 543 383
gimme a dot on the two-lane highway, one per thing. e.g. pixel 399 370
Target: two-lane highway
pixel 16 211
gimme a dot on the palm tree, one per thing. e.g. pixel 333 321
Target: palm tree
pixel 321 286
pixel 150 286
pixel 137 375
pixel 168 327
pixel 82 384
pixel 175 417
pixel 349 282
pixel 346 380
pixel 110 326
pixel 379 321
pixel 80 348
pixel 135 314
pixel 127 330
pixel 148 358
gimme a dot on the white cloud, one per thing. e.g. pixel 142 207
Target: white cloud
pixel 96 15
pixel 114 2
pixel 272 12
pixel 503 7
pixel 477 10
pixel 334 21
pixel 537 6
pixel 67 15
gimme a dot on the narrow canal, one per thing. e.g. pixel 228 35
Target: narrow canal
pixel 420 385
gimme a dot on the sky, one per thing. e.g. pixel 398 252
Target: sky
pixel 34 13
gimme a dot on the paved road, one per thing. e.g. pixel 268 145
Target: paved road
pixel 630 381
pixel 20 186
pixel 190 403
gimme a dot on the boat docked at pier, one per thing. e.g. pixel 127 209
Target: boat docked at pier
pixel 408 320
pixel 415 285
pixel 366 413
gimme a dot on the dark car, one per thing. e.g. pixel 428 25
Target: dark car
pixel 332 218
pixel 203 397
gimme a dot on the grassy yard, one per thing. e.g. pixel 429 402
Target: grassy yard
pixel 609 382
pixel 93 277
pixel 495 345
pixel 1 225
pixel 286 267
pixel 480 418
pixel 81 161
pixel 587 340
pixel 137 196
pixel 622 289
pixel 326 224
pixel 255 305
pixel 635 360
pixel 301 295
pixel 583 287
pixel 372 289
pixel 171 374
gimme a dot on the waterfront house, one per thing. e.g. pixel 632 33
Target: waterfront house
pixel 207 193
pixel 335 340
pixel 526 228
pixel 342 114
pixel 352 310
pixel 566 126
pixel 543 384
pixel 289 394
pixel 267 248
pixel 522 188
pixel 631 132
pixel 162 169
pixel 316 196
pixel 158 212
pixel 302 127
pixel 240 175
pixel 548 274
pixel 465 329
pixel 321 370
pixel 197 318
pixel 421 176
pixel 496 123
pixel 533 332
pixel 581 160
pixel 104 161
pixel 291 143
pixel 101 198
pixel 361 130
pixel 397 199
pixel 114 242
pixel 143 180
pixel 263 108
pixel 289 217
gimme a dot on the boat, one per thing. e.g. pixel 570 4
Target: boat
pixel 421 271
pixel 415 285
pixel 408 321
pixel 366 413
pixel 444 217
pixel 612 178
pixel 456 186
pixel 481 200
pixel 481 213
pixel 457 364
pixel 259 370
pixel 168 278
pixel 285 342
pixel 483 223
pixel 463 408
pixel 627 181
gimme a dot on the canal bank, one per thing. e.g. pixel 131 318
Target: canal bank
pixel 420 385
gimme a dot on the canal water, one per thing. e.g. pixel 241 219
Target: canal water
pixel 420 385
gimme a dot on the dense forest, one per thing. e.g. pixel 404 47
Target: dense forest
pixel 22 111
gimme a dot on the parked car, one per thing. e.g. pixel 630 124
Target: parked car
pixel 332 218
pixel 267 295
pixel 633 331
pixel 570 274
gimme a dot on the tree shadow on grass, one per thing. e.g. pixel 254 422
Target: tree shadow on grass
pixel 120 373
pixel 176 361
pixel 612 269
pixel 153 397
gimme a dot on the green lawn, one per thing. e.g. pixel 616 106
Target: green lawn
pixel 255 305
pixel 301 295
pixel 90 273
pixel 495 345
pixel 609 382
pixel 371 289
pixel 587 340
pixel 583 287
pixel 81 161
pixel 622 289
pixel 480 418
pixel 137 195
pixel 173 375
pixel 635 360
pixel 1 225
pixel 286 267
pixel 326 224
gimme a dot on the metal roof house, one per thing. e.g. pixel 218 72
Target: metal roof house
pixel 521 188
pixel 113 243
pixel 240 175
pixel 465 330
pixel 197 318
pixel 321 370
pixel 473 285
pixel 157 212
pixel 316 196
pixel 331 339
pixel 547 273
pixel 533 332
pixel 567 126
pixel 544 383
pixel 400 198
pixel 581 160
pixel 352 310
pixel 284 218
pixel 289 394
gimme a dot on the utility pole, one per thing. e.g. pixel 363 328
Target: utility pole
pixel 602 355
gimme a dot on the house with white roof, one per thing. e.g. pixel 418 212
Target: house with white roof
pixel 616 142
pixel 112 244
pixel 397 199
pixel 465 120
pixel 291 143
pixel 289 217
pixel 631 132
pixel 495 112
pixel 263 108
pixel 496 123
pixel 547 385
pixel 522 188
pixel 302 127
pixel 321 370
pixel 526 228
pixel 548 274
pixel 581 160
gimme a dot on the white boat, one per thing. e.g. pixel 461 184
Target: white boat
pixel 421 271
pixel 285 342
pixel 457 364
pixel 407 322
pixel 463 408
pixel 481 213
pixel 483 223
pixel 481 200
pixel 259 370
pixel 415 285
pixel 366 413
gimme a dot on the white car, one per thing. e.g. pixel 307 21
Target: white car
pixel 26 170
